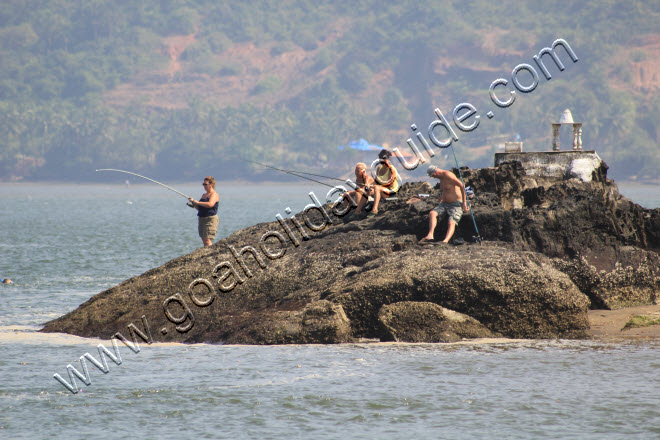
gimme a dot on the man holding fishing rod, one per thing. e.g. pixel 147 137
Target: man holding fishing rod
pixel 207 207
pixel 364 184
pixel 385 184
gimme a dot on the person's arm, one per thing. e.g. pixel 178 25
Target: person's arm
pixel 368 185
pixel 210 204
pixel 392 174
pixel 458 183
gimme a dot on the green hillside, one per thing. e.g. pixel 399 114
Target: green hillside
pixel 183 89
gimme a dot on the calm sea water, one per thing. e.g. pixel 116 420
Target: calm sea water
pixel 62 244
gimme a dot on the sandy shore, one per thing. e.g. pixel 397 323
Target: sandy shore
pixel 607 324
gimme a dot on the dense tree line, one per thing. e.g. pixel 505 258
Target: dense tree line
pixel 57 58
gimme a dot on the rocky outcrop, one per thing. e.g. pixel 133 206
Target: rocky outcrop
pixel 606 243
pixel 517 294
pixel 410 321
pixel 551 250
pixel 560 218
pixel 635 280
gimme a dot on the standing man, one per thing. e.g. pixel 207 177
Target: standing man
pixel 207 214
pixel 453 203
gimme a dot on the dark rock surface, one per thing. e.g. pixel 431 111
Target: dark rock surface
pixel 634 281
pixel 551 250
pixel 410 321
pixel 607 244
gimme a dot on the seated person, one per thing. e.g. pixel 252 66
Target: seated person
pixel 364 183
pixel 387 182
pixel 452 203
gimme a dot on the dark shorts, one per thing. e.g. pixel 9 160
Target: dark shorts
pixel 208 226
pixel 454 210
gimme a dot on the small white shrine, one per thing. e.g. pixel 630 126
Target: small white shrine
pixel 565 119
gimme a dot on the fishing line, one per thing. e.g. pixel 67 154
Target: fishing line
pixel 316 175
pixel 297 173
pixel 477 238
pixel 151 180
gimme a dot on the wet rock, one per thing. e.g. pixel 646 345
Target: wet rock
pixel 517 294
pixel 422 321
pixel 635 279
pixel 320 322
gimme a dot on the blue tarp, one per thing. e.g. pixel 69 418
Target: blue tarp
pixel 361 145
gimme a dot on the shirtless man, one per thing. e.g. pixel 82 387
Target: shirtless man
pixel 364 183
pixel 453 202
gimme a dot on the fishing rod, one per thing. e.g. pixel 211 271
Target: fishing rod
pixel 476 238
pixel 298 174
pixel 295 173
pixel 151 180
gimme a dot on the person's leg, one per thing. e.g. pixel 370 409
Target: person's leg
pixel 346 202
pixel 201 229
pixel 378 190
pixel 361 203
pixel 433 221
pixel 208 227
pixel 352 197
pixel 454 214
pixel 451 226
